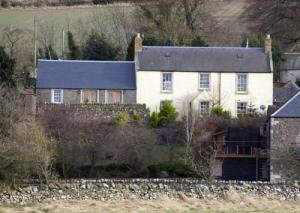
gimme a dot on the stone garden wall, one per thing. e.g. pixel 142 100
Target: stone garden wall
pixel 147 189
pixel 96 111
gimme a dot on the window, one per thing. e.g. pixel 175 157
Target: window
pixel 57 96
pixel 241 108
pixel 89 96
pixel 204 107
pixel 242 82
pixel 114 97
pixel 204 80
pixel 167 82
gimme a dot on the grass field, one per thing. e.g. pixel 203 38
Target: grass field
pixel 163 205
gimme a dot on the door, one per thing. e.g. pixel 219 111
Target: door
pixel 89 96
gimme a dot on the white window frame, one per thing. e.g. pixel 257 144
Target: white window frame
pixel 199 81
pixel 61 94
pixel 200 109
pixel 162 82
pixel 237 103
pixel 237 83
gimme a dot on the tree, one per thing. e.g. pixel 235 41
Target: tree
pixel 130 50
pixel 277 53
pixel 179 20
pixel 47 53
pixel 198 42
pixel 74 53
pixel 7 66
pixel 98 48
pixel 280 18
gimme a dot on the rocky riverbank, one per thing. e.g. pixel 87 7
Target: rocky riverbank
pixel 146 189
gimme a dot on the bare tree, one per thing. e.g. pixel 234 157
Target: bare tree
pixel 280 18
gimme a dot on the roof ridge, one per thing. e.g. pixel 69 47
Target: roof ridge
pixel 187 47
pixel 87 61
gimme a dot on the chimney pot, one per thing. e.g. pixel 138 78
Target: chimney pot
pixel 268 44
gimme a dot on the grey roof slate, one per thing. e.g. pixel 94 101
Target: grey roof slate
pixel 282 92
pixel 291 61
pixel 68 74
pixel 206 59
pixel 290 109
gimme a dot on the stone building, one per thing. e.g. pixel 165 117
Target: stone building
pixel 290 67
pixel 80 82
pixel 284 133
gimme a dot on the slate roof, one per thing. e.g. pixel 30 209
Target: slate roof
pixel 291 61
pixel 204 59
pixel 290 109
pixel 282 92
pixel 68 74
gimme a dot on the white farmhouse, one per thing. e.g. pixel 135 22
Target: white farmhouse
pixel 233 77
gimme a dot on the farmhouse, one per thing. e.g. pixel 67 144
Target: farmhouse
pixel 234 78
pixel 231 77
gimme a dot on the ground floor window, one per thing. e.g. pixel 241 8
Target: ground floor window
pixel 114 97
pixel 204 107
pixel 241 108
pixel 57 96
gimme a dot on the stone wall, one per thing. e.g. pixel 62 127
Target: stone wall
pixel 73 96
pixel 96 111
pixel 147 189
pixel 284 131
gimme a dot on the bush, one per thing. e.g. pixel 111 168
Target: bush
pixel 137 117
pixel 167 113
pixel 154 119
pixel 122 119
pixel 219 111
pixel 27 153
pixel 173 170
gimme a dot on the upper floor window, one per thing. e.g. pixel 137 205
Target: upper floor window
pixel 204 80
pixel 57 96
pixel 241 108
pixel 242 83
pixel 204 107
pixel 167 82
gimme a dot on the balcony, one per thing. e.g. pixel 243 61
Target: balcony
pixel 240 151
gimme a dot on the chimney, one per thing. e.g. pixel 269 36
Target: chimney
pixel 138 43
pixel 268 44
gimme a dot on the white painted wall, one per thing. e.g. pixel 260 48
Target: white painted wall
pixel 185 85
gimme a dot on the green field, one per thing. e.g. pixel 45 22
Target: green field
pixel 23 18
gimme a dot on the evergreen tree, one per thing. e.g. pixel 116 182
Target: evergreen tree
pixel 74 53
pixel 167 113
pixel 7 66
pixel 98 48
pixel 198 42
pixel 130 50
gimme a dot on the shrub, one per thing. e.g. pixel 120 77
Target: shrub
pixel 122 119
pixel 219 111
pixel 27 153
pixel 154 119
pixel 137 117
pixel 167 113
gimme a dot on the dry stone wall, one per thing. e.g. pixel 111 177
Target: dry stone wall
pixel 147 189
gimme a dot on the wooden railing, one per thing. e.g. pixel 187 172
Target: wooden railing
pixel 240 151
